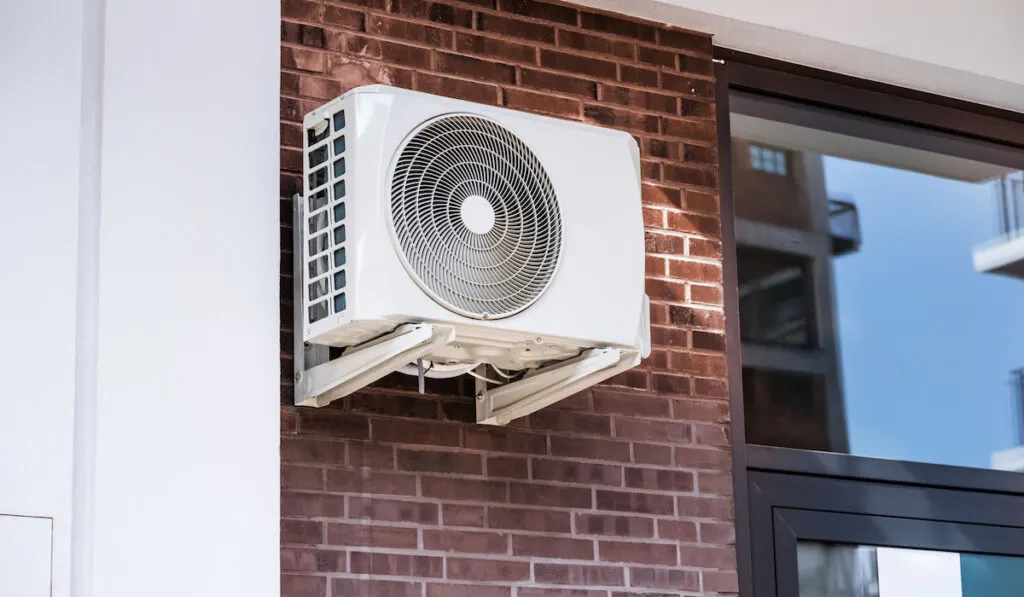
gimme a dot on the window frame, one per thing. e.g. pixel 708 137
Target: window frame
pixel 839 103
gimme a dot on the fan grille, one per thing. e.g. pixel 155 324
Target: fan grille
pixel 475 216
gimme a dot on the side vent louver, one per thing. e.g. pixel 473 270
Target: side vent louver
pixel 325 218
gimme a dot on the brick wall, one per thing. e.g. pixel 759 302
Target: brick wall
pixel 622 490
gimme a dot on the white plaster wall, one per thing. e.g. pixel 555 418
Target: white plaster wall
pixel 40 88
pixel 969 49
pixel 187 477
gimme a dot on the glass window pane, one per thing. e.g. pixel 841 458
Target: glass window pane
pixel 836 570
pixel 775 297
pixel 904 294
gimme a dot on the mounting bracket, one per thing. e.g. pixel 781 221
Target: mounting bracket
pixel 364 364
pixel 550 384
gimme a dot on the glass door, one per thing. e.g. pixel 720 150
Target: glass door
pixel 824 537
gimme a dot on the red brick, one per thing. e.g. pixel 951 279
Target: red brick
pixel 704 507
pixel 331 561
pixel 303 586
pixel 614 525
pixel 362 535
pixel 487 570
pixel 652 454
pixel 516 28
pixel 302 10
pixel 665 290
pixel 300 59
pixel 571 422
pixel 656 57
pixel 302 477
pixel 581 65
pixel 440 462
pixel 661 148
pixel 669 337
pixel 638 553
pixel 512 467
pixel 663 243
pixel 338 16
pixel 714 532
pixel 699 457
pixel 450 590
pixel 633 378
pixel 370 481
pixel 552 547
pixel 618 26
pixel 695 88
pixel 674 529
pixel 371 455
pixel 698 271
pixel 698 247
pixel 465 541
pixel 575 574
pixel 695 556
pixel 519 99
pixel 392 405
pixel 462 515
pixel 475 68
pixel 711 411
pixel 333 424
pixel 685 40
pixel 595 449
pixel 641 503
pixel 433 11
pixel 659 479
pixel 528 520
pixel 533 494
pixel 720 581
pixel 701 177
pixel 671 384
pixel 457 88
pixel 386 564
pixel 289 418
pixel 317 88
pixel 409 31
pixel 495 48
pixel 696 109
pixel 695 65
pixel 311 504
pixel 495 439
pixel 704 202
pixel 703 318
pixel 472 490
pixel 373 508
pixel 686 222
pixel 308 532
pixel 571 471
pixel 640 100
pixel 654 265
pixel 377 588
pixel 558 83
pixel 695 131
pixel 298 560
pixel 655 195
pixel 560 592
pixel 541 10
pixel 651 429
pixel 707 155
pixel 698 364
pixel 639 76
pixel 650 170
pixel 299 33
pixel 715 483
pixel 622 119
pixel 711 295
pixel 664 578
pixel 592 43
pixel 415 432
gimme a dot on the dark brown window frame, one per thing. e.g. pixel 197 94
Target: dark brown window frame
pixel 842 104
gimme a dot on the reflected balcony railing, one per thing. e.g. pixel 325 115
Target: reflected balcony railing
pixel 1005 253
pixel 1017 389
pixel 1011 208
pixel 844 226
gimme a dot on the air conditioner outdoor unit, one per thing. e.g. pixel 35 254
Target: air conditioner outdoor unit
pixel 440 237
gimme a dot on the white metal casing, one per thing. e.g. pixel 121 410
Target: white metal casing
pixel 596 297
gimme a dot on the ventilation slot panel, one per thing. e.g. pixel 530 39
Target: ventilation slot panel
pixel 325 218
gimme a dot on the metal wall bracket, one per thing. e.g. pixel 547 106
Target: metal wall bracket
pixel 550 384
pixel 362 365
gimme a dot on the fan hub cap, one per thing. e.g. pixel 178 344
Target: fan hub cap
pixel 477 214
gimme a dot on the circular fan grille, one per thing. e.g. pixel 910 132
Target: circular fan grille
pixel 475 216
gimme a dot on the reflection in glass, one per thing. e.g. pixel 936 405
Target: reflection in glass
pixel 836 570
pixel 881 297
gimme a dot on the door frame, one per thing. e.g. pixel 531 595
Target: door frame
pixel 897 115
